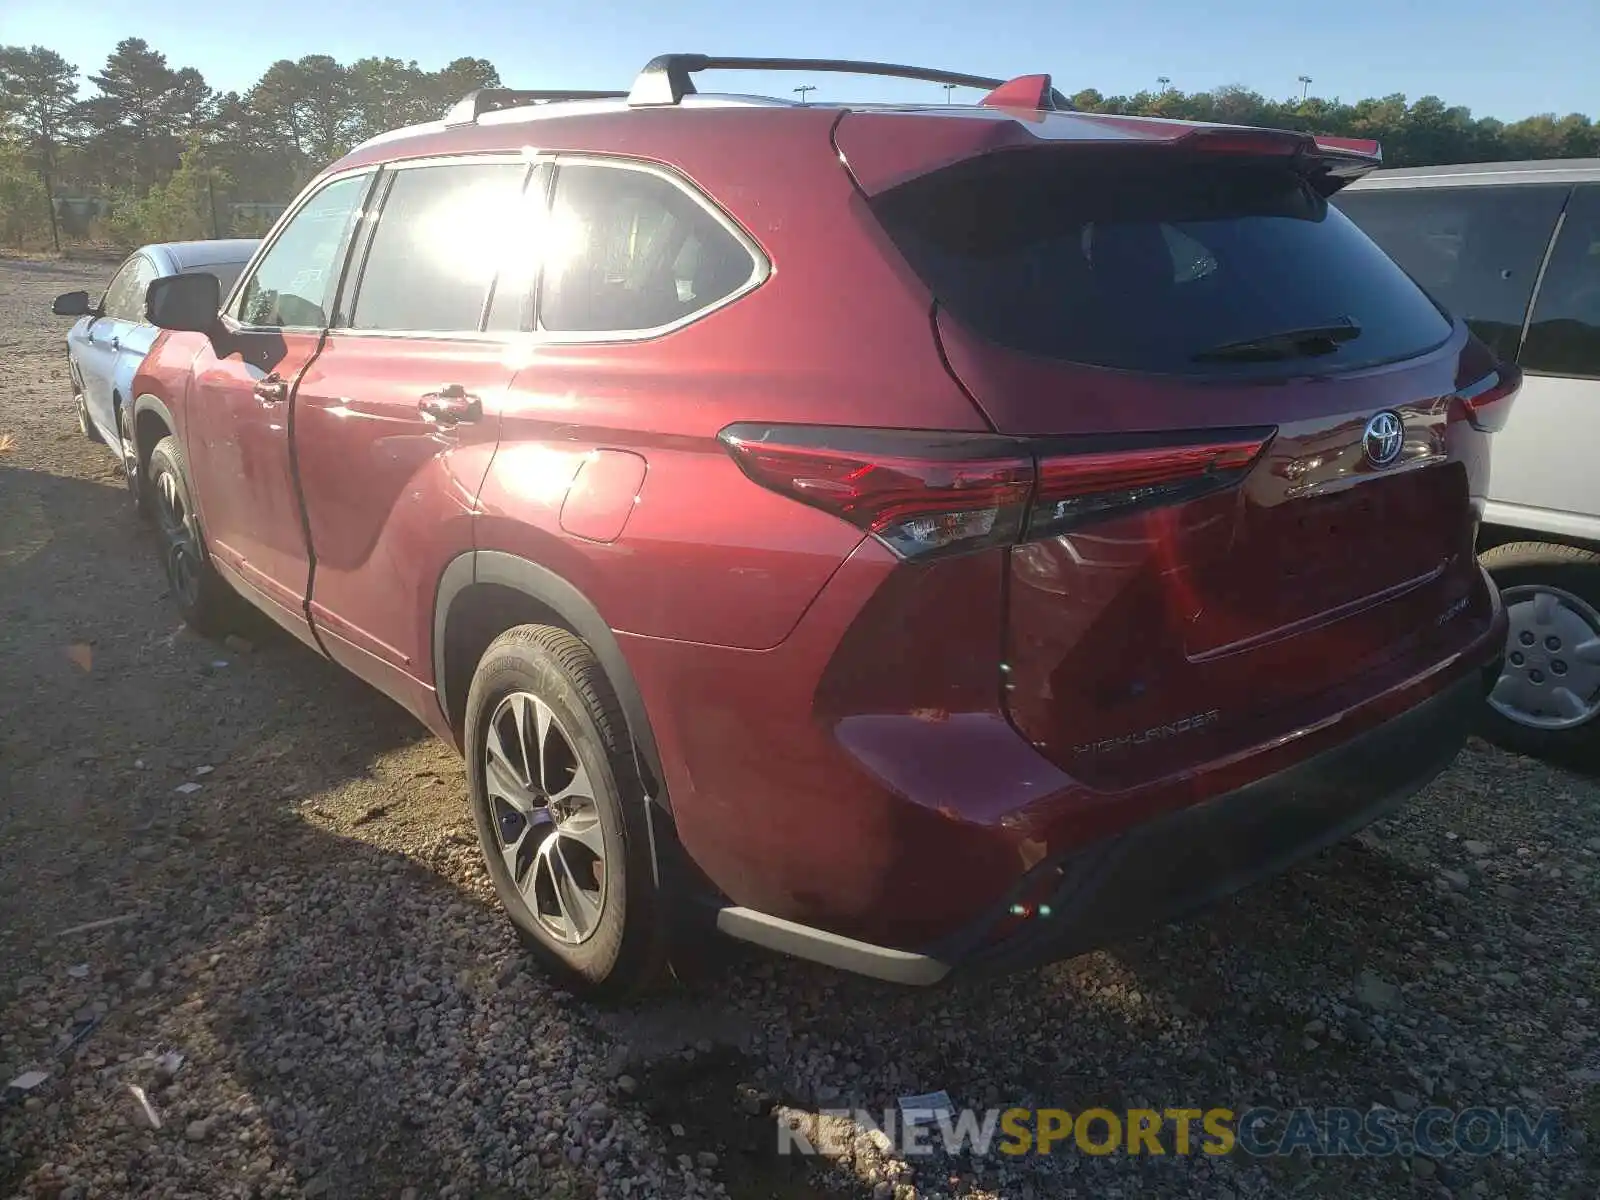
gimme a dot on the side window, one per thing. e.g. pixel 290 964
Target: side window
pixel 131 303
pixel 1564 336
pixel 631 251
pixel 293 284
pixel 117 300
pixel 1476 250
pixel 440 238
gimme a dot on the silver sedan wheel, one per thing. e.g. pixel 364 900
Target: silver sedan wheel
pixel 1551 678
pixel 546 822
pixel 182 551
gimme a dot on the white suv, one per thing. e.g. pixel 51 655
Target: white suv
pixel 1514 249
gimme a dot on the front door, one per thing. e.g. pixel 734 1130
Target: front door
pixel 395 422
pixel 243 394
pixel 99 338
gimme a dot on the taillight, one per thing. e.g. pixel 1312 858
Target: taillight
pixel 929 494
pixel 920 494
pixel 1488 402
pixel 1077 487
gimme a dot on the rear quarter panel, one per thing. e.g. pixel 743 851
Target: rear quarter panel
pixel 1546 456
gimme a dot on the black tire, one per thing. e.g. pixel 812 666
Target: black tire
pixel 1519 569
pixel 132 476
pixel 625 952
pixel 204 598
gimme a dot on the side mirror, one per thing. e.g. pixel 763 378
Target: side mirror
pixel 188 302
pixel 72 304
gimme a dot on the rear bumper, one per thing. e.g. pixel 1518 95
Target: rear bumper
pixel 1172 865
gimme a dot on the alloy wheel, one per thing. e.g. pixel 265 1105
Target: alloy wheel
pixel 182 550
pixel 546 822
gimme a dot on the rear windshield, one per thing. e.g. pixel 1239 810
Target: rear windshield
pixel 227 274
pixel 1152 266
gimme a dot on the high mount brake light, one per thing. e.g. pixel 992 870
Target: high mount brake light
pixel 1488 402
pixel 929 494
pixel 1247 141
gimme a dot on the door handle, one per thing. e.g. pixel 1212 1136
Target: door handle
pixel 451 405
pixel 271 389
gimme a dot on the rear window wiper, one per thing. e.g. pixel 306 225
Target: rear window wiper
pixel 1287 343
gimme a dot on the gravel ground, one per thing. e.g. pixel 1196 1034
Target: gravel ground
pixel 309 986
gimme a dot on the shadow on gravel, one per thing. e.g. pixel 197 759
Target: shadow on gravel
pixel 108 706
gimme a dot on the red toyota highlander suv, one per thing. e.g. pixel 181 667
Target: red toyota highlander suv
pixel 912 538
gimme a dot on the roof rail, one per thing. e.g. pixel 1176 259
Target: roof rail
pixel 665 79
pixel 472 106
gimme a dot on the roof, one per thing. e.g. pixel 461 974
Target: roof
pixel 1545 170
pixel 1025 109
pixel 962 129
pixel 186 256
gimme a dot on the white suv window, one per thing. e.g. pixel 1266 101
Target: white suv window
pixel 1564 337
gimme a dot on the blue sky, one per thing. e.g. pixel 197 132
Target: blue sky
pixel 1505 60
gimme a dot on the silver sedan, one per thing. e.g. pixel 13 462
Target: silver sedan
pixel 111 336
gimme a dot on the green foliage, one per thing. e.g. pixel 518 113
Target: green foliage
pixel 22 200
pixel 178 209
pixel 149 135
pixel 1420 133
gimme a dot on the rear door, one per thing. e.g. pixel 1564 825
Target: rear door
pixel 241 398
pixel 396 420
pixel 1130 311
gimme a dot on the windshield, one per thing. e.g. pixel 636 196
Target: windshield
pixel 1151 266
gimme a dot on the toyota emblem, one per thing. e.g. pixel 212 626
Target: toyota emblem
pixel 1383 438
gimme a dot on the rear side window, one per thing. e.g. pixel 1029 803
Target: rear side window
pixel 1564 336
pixel 632 252
pixel 439 239
pixel 1476 250
pixel 1153 265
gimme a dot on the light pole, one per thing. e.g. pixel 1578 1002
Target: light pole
pixel 803 89
pixel 1305 83
pixel 949 91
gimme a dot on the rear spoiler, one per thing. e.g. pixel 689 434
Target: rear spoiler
pixel 1330 162
pixel 884 149
pixel 1347 159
